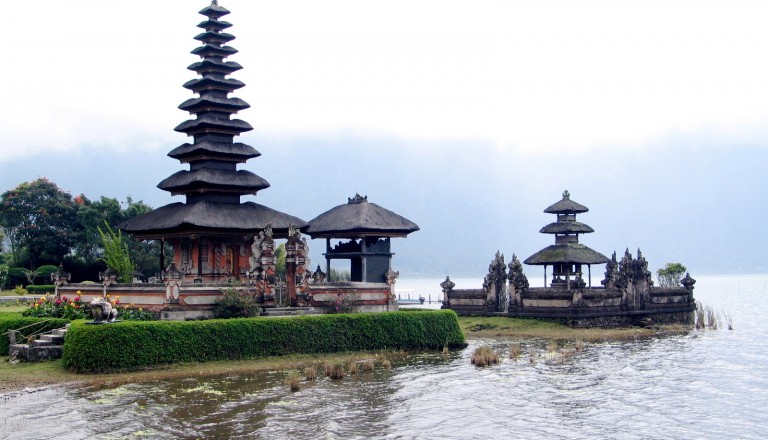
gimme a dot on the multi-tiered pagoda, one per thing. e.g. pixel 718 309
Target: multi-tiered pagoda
pixel 212 231
pixel 567 255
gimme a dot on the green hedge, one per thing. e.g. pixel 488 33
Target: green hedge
pixel 14 321
pixel 127 346
pixel 41 289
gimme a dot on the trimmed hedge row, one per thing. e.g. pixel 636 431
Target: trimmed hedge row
pixel 14 321
pixel 41 289
pixel 127 346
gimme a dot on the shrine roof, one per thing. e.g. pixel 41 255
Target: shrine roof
pixel 209 217
pixel 566 228
pixel 237 150
pixel 566 253
pixel 359 218
pixel 212 179
pixel 566 206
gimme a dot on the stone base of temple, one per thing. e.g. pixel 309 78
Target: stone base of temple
pixel 198 301
pixel 596 307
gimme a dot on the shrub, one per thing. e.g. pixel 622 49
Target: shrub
pixel 43 273
pixel 17 276
pixel 41 289
pixel 670 274
pixel 130 345
pixel 14 321
pixel 236 303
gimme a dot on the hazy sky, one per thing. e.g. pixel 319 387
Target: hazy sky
pixel 505 103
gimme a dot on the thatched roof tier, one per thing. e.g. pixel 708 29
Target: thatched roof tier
pixel 359 218
pixel 236 152
pixel 210 50
pixel 212 83
pixel 214 11
pixel 569 253
pixel 214 25
pixel 566 206
pixel 208 102
pixel 566 228
pixel 213 180
pixel 212 65
pixel 211 124
pixel 209 218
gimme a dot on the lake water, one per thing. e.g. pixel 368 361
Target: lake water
pixel 707 384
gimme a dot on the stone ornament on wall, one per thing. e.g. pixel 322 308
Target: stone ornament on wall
pixel 172 277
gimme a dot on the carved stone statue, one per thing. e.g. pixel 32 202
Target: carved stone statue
pixel 102 311
pixel 611 273
pixel 447 287
pixel 255 259
pixel 318 276
pixel 495 284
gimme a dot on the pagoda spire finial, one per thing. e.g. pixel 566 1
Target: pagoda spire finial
pixel 215 2
pixel 566 194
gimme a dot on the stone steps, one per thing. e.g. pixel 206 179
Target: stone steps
pixel 45 347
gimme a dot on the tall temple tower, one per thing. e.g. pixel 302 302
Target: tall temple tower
pixel 567 255
pixel 211 233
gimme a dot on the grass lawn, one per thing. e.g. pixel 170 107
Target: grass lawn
pixel 503 327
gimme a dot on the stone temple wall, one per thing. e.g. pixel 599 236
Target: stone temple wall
pixel 627 297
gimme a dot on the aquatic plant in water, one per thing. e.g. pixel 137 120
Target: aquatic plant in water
pixel 484 356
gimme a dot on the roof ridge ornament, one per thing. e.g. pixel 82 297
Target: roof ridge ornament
pixel 566 194
pixel 214 2
pixel 357 199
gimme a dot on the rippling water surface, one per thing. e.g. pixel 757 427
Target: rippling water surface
pixel 710 384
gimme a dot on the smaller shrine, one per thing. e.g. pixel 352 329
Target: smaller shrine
pixel 567 255
pixel 367 229
pixel 626 296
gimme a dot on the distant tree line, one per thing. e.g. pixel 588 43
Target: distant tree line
pixel 42 225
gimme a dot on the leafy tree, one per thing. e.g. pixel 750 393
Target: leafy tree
pixel 116 253
pixel 90 216
pixel 39 217
pixel 43 274
pixel 145 254
pixel 671 274
pixel 3 276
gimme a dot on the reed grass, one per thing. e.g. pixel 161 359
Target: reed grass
pixel 484 356
pixel 706 317
pixel 337 372
pixel 294 382
pixel 368 366
pixel 352 367
pixel 386 364
pixel 310 374
pixel 514 351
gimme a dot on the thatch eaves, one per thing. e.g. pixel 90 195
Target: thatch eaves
pixel 210 179
pixel 206 217
pixel 573 253
pixel 566 206
pixel 359 218
pixel 566 228
pixel 238 152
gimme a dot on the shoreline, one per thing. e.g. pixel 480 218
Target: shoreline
pixel 33 377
